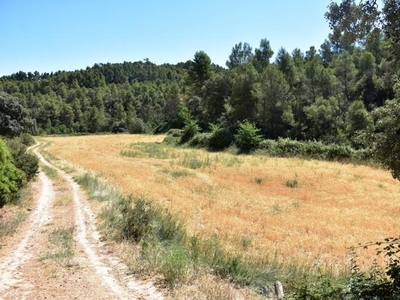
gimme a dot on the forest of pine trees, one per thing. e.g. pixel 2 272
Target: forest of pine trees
pixel 325 94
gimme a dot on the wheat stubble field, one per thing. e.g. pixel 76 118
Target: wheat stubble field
pixel 287 209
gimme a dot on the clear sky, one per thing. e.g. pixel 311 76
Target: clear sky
pixel 52 35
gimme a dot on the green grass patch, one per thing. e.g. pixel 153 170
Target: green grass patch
pixel 293 183
pixel 97 187
pixel 193 162
pixel 148 150
pixel 259 180
pixel 8 227
pixel 176 173
pixel 50 172
pixel 61 240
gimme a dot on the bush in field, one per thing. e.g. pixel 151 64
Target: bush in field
pixel 137 126
pixel 190 129
pixel 11 178
pixel 313 149
pixel 200 140
pixel 247 137
pixel 220 137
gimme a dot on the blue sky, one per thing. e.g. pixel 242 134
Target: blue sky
pixel 52 35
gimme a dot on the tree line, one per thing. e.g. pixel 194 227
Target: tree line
pixel 323 94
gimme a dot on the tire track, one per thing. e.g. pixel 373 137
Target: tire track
pixel 111 271
pixel 16 258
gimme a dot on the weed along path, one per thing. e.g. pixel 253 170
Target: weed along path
pixel 58 253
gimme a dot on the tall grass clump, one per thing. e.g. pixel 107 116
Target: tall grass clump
pixel 97 188
pixel 193 162
pixel 137 220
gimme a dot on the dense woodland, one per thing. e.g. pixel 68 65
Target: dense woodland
pixel 323 93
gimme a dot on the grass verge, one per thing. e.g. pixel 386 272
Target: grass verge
pixel 164 246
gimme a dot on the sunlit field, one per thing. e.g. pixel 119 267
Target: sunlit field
pixel 287 209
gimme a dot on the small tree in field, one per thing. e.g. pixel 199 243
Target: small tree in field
pixel 247 137
pixel 190 129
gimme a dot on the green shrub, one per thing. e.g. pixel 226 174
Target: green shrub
pixel 137 126
pixel 247 137
pixel 190 129
pixel 200 140
pixel 170 140
pixel 379 282
pixel 137 219
pixel 175 265
pixel 27 139
pixel 313 149
pixel 292 183
pixel 315 287
pixel 339 152
pixel 27 162
pixel 174 132
pixel 220 137
pixel 11 178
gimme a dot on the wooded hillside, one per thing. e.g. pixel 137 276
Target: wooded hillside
pixel 324 93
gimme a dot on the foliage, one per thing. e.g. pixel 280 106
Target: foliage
pixel 190 129
pixel 357 119
pixel 27 139
pixel 313 149
pixel 275 112
pixel 23 160
pixel 11 178
pixel 13 117
pixel 243 101
pixel 220 137
pixel 384 139
pixel 262 55
pixel 200 140
pixel 241 54
pixel 137 219
pixel 199 71
pixel 247 137
pixel 377 283
pixel 313 287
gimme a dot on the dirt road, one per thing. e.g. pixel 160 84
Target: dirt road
pixel 58 253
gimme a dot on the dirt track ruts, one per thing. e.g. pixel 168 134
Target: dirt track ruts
pixel 92 274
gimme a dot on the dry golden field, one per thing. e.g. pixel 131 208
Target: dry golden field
pixel 285 208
